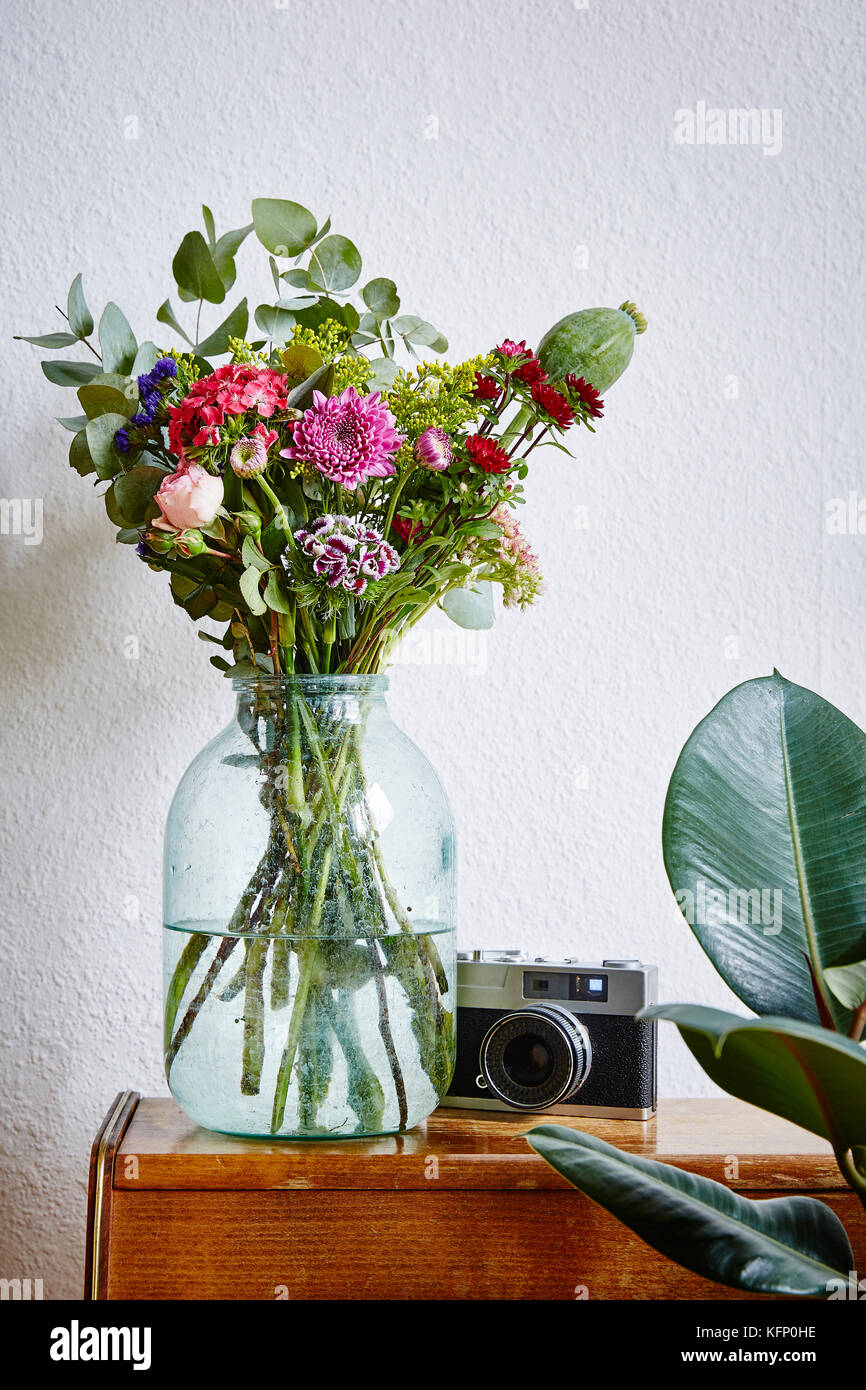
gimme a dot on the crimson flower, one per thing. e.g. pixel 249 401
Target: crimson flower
pixel 408 531
pixel 487 388
pixel 487 454
pixel 587 395
pixel 553 403
pixel 530 369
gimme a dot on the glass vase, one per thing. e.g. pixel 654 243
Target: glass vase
pixel 309 913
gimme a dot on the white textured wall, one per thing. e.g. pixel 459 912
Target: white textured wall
pixel 553 182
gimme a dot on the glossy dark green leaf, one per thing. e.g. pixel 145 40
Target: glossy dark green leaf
pixel 165 314
pixel 806 1073
pixel 787 1245
pixel 285 228
pixel 80 317
pixel 234 326
pixel 194 270
pixel 765 843
pixel 848 983
pixel 48 340
pixel 71 373
pixel 116 340
pixel 335 264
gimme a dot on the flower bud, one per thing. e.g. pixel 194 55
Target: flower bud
pixel 191 542
pixel 249 523
pixel 433 450
pixel 249 457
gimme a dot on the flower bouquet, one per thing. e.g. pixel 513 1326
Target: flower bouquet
pixel 313 499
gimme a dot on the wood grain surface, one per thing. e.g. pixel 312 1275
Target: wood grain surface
pixel 459 1208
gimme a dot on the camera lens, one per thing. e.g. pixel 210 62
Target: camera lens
pixel 535 1057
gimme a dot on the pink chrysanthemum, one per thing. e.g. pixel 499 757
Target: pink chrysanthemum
pixel 347 438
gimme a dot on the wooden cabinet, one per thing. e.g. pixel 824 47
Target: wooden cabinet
pixel 459 1208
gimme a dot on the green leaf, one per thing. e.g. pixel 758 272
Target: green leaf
pixel 72 422
pixel 381 298
pixel 764 840
pixel 109 393
pixel 300 360
pixel 274 538
pixel 146 358
pixel 80 317
pixel 805 1073
pixel 135 491
pixel 100 434
pixel 471 608
pixel 787 1245
pixel 335 264
pixel 165 314
pixel 48 340
pixel 299 279
pixel 249 583
pixel 79 455
pixel 235 326
pixel 276 321
pixel 117 341
pixel 71 373
pixel 115 515
pixel 225 251
pixel 320 380
pixel 414 330
pixel 275 597
pixel 210 231
pixel 194 270
pixel 128 535
pixel 253 557
pixel 848 983
pixel 486 530
pixel 383 375
pixel 285 228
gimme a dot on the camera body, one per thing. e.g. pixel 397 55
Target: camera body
pixel 554 1036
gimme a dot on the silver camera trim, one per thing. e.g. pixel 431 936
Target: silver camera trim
pixel 562 1020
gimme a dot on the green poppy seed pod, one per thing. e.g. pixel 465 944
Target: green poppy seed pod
pixel 596 344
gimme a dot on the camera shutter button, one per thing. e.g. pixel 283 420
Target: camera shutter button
pixel 620 964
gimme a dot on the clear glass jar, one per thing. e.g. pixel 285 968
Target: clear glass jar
pixel 309 912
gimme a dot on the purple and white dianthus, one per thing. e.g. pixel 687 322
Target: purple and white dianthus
pixel 345 554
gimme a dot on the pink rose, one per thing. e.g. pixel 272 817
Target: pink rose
pixel 191 497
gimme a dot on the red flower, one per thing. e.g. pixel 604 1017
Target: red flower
pixel 487 388
pixel 587 394
pixel 553 404
pixel 487 454
pixel 530 369
pixel 408 531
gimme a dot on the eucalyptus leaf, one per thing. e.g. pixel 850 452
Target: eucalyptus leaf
pixel 146 357
pixel 805 1073
pixel 415 330
pixel 787 1245
pixel 764 840
pixel 299 279
pixel 165 314
pixel 135 491
pixel 210 229
pixel 285 228
pixel 71 373
pixel 117 341
pixel 275 597
pixel 128 535
pixel 194 270
pixel 47 340
pixel 234 326
pixel 335 264
pixel 276 321
pixel 72 422
pixel 109 393
pixel 383 373
pixel 381 298
pixel 80 317
pixel 225 251
pixel 100 434
pixel 472 607
pixel 79 455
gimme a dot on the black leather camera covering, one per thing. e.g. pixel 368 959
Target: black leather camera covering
pixel 623 1071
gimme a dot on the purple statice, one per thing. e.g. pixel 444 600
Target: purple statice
pixel 150 389
pixel 141 548
pixel 345 554
pixel 121 439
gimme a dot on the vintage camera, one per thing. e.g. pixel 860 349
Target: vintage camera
pixel 559 1036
